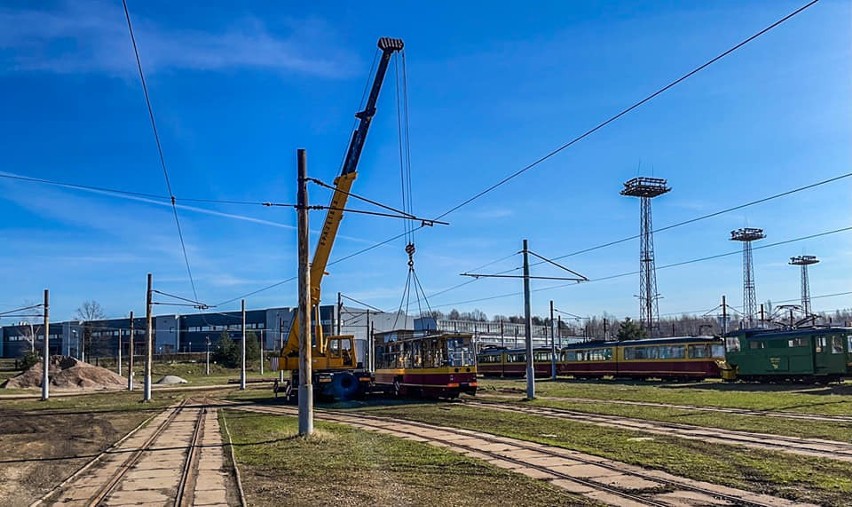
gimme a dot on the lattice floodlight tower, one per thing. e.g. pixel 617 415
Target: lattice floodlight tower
pixel 805 261
pixel 747 235
pixel 646 189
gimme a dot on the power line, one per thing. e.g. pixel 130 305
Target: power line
pixel 711 215
pixel 159 145
pixel 682 263
pixel 625 111
pixel 665 228
pixel 117 192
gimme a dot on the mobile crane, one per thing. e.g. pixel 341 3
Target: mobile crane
pixel 336 373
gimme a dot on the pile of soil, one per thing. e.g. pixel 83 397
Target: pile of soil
pixel 172 379
pixel 68 373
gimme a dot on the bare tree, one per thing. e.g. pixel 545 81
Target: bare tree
pixel 89 312
pixel 29 333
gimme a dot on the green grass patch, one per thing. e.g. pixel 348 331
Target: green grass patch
pixel 115 401
pixel 340 465
pixel 796 477
pixel 829 430
pixel 835 399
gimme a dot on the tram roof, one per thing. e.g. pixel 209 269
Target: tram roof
pixel 671 340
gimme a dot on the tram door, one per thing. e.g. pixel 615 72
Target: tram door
pixel 829 355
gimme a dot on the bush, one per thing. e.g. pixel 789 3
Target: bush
pixel 29 360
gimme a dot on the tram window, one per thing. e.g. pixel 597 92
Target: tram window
pixel 608 354
pixel 718 351
pixel 849 343
pixel 756 345
pixel 629 353
pixel 836 344
pixel 776 344
pixel 820 343
pixel 677 352
pixel 733 343
pixel 797 342
pixel 699 351
pixel 542 356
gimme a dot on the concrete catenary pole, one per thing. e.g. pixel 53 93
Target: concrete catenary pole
pixel 119 351
pixel 368 362
pixel 262 344
pixel 149 337
pixel 130 354
pixel 243 347
pixel 306 388
pixel 339 311
pixel 724 316
pixel 45 379
pixel 552 344
pixel 528 326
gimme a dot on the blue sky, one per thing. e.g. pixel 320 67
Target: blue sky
pixel 236 88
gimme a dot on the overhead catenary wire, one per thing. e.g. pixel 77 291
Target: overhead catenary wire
pixel 665 228
pixel 676 264
pixel 159 145
pixel 625 111
pixel 587 133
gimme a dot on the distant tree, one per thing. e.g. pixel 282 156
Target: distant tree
pixel 499 318
pixel 226 352
pixel 30 359
pixel 435 314
pixel 537 321
pixel 29 333
pixel 90 312
pixel 454 314
pixel 478 315
pixel 629 330
pixel 252 347
pixel 516 319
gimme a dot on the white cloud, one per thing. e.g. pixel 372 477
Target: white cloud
pixel 92 37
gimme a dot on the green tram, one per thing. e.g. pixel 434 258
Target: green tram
pixel 812 354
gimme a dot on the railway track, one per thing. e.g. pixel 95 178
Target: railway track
pixel 725 410
pixel 599 479
pixel 177 458
pixel 828 449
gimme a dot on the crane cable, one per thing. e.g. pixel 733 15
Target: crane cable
pixel 403 129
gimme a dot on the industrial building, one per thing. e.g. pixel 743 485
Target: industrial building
pixel 193 332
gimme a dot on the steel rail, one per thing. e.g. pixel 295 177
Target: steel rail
pixel 189 473
pixel 105 490
pixel 842 451
pixel 109 450
pixel 358 418
pixel 779 414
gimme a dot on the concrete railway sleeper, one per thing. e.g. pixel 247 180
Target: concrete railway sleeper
pixel 141 467
pixel 827 449
pixel 596 478
pixel 780 414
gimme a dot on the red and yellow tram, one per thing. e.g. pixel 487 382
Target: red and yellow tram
pixel 691 357
pixel 425 363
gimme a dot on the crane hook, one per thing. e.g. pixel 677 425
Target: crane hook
pixel 409 249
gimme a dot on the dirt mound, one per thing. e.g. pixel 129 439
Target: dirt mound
pixel 68 373
pixel 172 379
